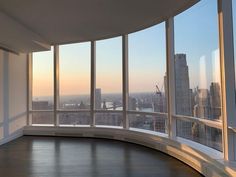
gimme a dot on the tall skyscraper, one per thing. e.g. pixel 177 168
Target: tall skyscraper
pixel 98 98
pixel 182 89
pixel 182 95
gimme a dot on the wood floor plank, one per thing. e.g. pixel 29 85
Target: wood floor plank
pixel 33 156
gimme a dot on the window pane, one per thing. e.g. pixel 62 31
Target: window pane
pixel 203 134
pixel 42 118
pixel 110 119
pixel 74 119
pixel 197 62
pixel 108 93
pixel 74 76
pixel 197 65
pixel 42 90
pixel 147 67
pixel 156 123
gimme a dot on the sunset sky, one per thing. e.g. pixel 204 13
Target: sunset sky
pixel 196 35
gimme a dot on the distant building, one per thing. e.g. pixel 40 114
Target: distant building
pixel 42 117
pixel 40 105
pixel 215 101
pixel 98 98
pixel 104 106
pixel 183 95
pixel 132 104
pixel 207 103
pixel 202 108
pixel 82 105
pixel 182 89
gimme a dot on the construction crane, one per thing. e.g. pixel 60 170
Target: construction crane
pixel 159 100
pixel 158 104
pixel 158 91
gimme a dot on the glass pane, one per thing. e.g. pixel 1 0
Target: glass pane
pixel 74 119
pixel 147 67
pixel 108 93
pixel 42 89
pixel 156 123
pixel 109 119
pixel 74 76
pixel 197 68
pixel 42 118
pixel 203 134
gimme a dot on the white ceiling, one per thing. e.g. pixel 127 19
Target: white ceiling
pixel 34 25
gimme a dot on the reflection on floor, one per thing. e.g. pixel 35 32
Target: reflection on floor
pixel 31 156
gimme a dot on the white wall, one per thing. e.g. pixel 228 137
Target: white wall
pixel 12 95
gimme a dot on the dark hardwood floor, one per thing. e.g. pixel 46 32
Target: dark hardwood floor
pixel 32 156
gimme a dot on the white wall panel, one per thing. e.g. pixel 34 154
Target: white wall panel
pixel 17 124
pixel 13 95
pixel 17 85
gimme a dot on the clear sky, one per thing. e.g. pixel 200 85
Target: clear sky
pixel 43 73
pixel 147 59
pixel 196 35
pixel 74 69
pixel 109 65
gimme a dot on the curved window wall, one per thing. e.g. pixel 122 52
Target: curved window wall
pixel 96 98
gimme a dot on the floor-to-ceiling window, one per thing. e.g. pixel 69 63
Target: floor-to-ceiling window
pixel 197 73
pixel 108 91
pixel 42 87
pixel 147 79
pixel 74 84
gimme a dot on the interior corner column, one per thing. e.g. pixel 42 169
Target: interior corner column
pixel 56 84
pixel 170 72
pixel 226 45
pixel 93 83
pixel 125 80
pixel 29 87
